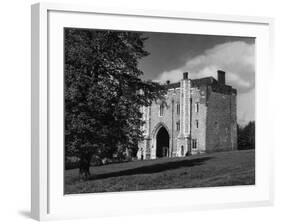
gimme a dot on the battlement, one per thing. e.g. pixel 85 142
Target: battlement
pixel 217 85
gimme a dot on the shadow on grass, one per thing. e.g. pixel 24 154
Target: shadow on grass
pixel 152 168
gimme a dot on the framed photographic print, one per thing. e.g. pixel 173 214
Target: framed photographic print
pixel 138 111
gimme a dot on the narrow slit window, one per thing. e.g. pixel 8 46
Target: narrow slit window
pixel 161 110
pixel 178 108
pixel 194 143
pixel 196 107
pixel 178 126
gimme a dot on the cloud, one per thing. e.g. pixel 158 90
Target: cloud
pixel 246 107
pixel 236 58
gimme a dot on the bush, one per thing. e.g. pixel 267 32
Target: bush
pixel 71 162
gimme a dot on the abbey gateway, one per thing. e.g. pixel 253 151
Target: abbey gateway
pixel 198 115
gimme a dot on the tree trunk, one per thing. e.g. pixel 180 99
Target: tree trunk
pixel 84 167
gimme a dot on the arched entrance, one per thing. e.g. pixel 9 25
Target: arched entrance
pixel 162 143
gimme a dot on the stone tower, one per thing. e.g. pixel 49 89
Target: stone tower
pixel 197 116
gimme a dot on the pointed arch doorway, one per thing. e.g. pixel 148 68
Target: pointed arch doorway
pixel 162 143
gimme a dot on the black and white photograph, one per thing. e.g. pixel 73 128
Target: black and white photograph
pixel 157 111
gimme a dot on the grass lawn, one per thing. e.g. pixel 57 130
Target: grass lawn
pixel 206 170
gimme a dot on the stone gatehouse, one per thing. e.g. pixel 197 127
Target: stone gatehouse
pixel 197 116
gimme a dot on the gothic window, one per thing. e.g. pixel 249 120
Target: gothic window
pixel 194 143
pixel 196 107
pixel 161 110
pixel 182 150
pixel 178 108
pixel 178 126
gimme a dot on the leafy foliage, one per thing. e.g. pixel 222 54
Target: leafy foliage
pixel 246 136
pixel 104 92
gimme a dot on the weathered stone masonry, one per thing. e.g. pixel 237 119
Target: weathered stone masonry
pixel 197 116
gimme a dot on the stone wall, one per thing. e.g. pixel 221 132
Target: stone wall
pixel 213 123
pixel 221 130
pixel 198 133
pixel 168 120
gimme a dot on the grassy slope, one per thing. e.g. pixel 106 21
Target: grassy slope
pixel 216 169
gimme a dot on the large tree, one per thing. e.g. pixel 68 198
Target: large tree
pixel 103 93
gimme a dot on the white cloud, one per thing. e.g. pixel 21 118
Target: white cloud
pixel 237 59
pixel 246 103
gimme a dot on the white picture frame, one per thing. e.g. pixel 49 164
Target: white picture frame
pixel 48 201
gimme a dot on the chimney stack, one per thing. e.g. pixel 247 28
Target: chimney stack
pixel 221 77
pixel 185 75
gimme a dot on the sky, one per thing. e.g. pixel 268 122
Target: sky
pixel 201 56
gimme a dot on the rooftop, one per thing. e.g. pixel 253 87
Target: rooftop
pixel 206 81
